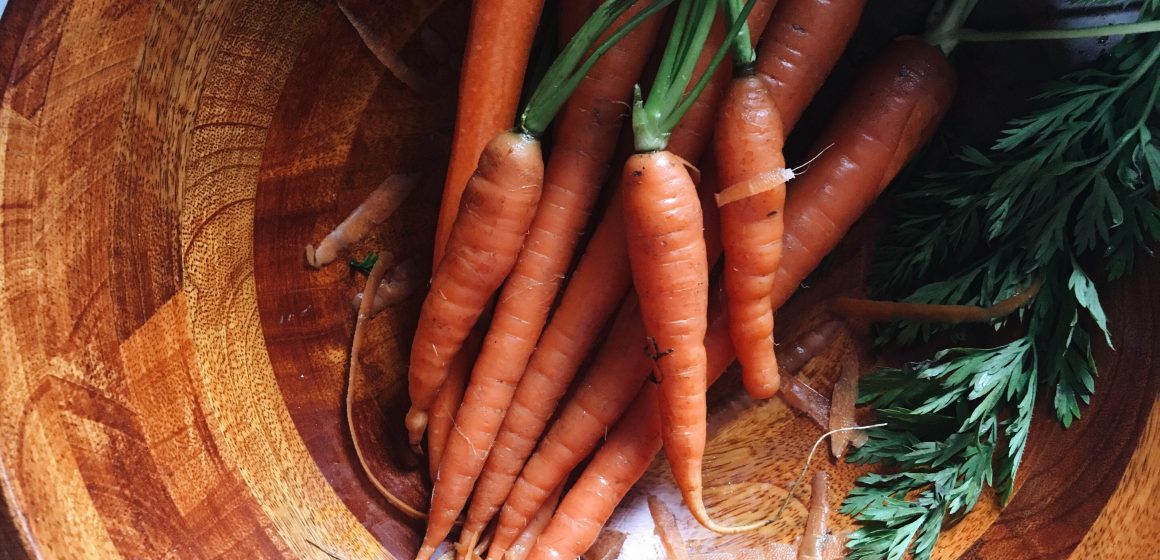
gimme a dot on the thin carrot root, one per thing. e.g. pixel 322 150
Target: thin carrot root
pixel 399 284
pixel 378 206
pixel 809 459
pixel 376 276
pixel 887 311
pixel 385 55
pixel 697 508
pixel 467 546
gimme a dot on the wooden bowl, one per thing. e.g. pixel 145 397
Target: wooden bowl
pixel 171 374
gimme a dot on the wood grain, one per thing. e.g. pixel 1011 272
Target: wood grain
pixel 171 375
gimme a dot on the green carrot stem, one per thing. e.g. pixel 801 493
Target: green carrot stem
pixel 740 22
pixel 565 74
pixel 744 55
pixel 974 36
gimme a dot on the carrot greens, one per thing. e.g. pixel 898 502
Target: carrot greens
pixel 577 58
pixel 654 117
pixel 1067 190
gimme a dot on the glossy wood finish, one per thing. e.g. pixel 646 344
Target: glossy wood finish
pixel 171 375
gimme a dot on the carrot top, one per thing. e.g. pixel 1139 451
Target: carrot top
pixel 575 60
pixel 654 118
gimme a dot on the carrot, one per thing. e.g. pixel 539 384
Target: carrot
pixel 598 285
pixel 749 142
pixel 617 372
pixel 447 401
pixel 497 210
pixel 901 97
pixel 493 380
pixel 589 414
pixel 800 46
pixel 499 40
pixel 576 169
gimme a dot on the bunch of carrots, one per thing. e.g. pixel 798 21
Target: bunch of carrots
pixel 505 331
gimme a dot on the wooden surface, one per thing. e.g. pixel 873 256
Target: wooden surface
pixel 171 375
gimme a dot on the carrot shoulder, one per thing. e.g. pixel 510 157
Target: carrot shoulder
pixel 499 40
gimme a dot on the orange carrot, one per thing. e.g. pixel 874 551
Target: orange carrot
pixel 601 396
pixel 489 230
pixel 799 48
pixel 901 97
pixel 670 271
pixel 749 140
pixel 447 401
pixel 512 334
pixel 577 168
pixel 598 285
pixel 499 40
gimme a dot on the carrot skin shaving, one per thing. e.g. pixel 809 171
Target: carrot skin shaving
pixel 805 399
pixel 378 206
pixel 814 538
pixel 904 93
pixel 499 41
pixel 578 166
pixel 749 141
pixel 842 407
pixel 497 210
pixel 665 526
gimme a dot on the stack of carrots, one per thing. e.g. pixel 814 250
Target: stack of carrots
pixel 706 187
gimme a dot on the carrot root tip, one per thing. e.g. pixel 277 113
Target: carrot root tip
pixel 416 423
pixel 312 257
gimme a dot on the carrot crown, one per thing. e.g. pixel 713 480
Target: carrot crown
pixel 653 119
pixel 569 68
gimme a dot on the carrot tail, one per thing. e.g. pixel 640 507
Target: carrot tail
pixel 524 545
pixel 499 41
